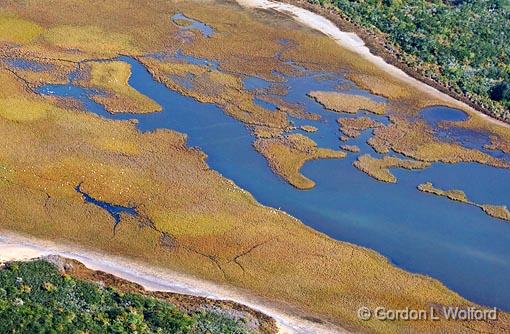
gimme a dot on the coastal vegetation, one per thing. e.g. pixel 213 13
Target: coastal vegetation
pixel 496 211
pixel 16 30
pixel 190 218
pixel 414 139
pixel 350 148
pixel 379 169
pixel 352 127
pixel 454 194
pixel 308 128
pixel 214 86
pixel 91 39
pixel 111 79
pixel 53 71
pixel 348 103
pixel 460 44
pixel 38 297
pixel 291 109
pixel 287 154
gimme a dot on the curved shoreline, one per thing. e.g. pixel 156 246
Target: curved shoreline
pixel 352 42
pixel 14 247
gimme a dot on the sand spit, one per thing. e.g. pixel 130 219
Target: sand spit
pixel 14 247
pixel 354 43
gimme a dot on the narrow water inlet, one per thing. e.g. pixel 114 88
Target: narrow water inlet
pixel 192 24
pixel 114 210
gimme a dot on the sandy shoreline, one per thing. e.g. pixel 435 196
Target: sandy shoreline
pixel 15 247
pixel 354 43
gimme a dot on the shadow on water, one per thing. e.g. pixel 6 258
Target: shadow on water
pixel 114 210
pixel 455 243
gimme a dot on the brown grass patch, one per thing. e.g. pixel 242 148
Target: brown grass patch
pixel 308 128
pixel 455 195
pixel 212 86
pixel 17 30
pixel 348 103
pixel 496 211
pixel 286 155
pixel 265 132
pixel 379 169
pixel 291 109
pixel 217 231
pixel 416 141
pixel 112 78
pixel 352 127
pixel 350 148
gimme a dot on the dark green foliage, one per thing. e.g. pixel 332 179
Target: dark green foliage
pixel 210 322
pixel 36 298
pixel 501 92
pixel 463 44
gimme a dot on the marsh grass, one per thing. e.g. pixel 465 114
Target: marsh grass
pixel 218 231
pixel 353 127
pixel 350 148
pixel 455 195
pixel 223 89
pixel 286 155
pixel 348 103
pixel 17 30
pixel 379 169
pixel 414 139
pixel 112 78
pixel 308 128
pixel 496 211
pixel 90 39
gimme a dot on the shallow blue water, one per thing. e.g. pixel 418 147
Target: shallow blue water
pixel 436 114
pixel 178 56
pixel 442 120
pixel 455 243
pixel 31 65
pixel 205 29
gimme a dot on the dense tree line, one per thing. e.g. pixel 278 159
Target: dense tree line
pixel 463 44
pixel 36 298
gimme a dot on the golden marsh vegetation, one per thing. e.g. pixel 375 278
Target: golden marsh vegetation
pixel 379 169
pixel 190 218
pixel 112 78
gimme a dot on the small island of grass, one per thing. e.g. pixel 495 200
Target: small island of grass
pixel 454 194
pixel 379 169
pixel 350 148
pixel 496 211
pixel 308 128
pixel 348 103
pixel 287 154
